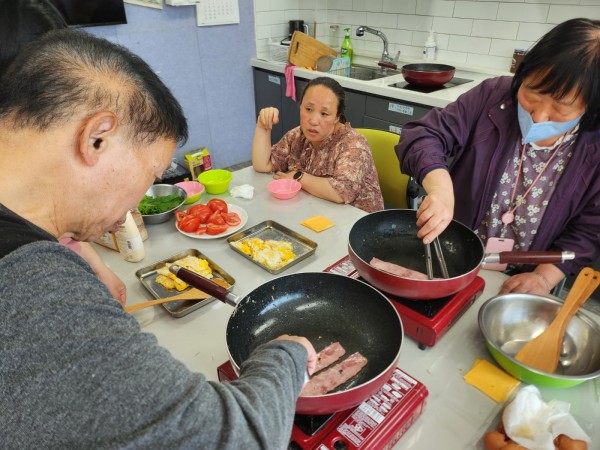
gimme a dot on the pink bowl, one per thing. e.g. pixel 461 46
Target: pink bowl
pixel 193 190
pixel 284 189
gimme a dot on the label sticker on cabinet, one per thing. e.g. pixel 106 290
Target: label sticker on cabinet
pixel 274 79
pixel 402 109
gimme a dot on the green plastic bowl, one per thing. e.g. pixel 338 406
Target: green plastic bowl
pixel 216 181
pixel 509 321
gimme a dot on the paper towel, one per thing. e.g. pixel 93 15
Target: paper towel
pixel 243 191
pixel 534 424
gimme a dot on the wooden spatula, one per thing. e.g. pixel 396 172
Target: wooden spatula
pixel 191 294
pixel 543 352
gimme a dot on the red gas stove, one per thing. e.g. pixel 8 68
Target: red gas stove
pixel 426 321
pixel 377 423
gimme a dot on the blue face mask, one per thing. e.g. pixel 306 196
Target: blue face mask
pixel 535 132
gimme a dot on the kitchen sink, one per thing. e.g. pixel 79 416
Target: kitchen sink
pixel 360 72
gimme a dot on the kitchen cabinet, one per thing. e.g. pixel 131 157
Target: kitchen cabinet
pixel 269 90
pixel 391 114
pixel 355 108
pixel 362 109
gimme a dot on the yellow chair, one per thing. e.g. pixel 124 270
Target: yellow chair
pixel 393 183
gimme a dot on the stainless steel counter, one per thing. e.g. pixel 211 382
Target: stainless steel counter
pixel 456 414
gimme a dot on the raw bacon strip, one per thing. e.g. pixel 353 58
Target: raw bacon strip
pixel 337 375
pixel 398 270
pixel 329 355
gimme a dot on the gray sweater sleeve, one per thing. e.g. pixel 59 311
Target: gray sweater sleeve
pixel 76 371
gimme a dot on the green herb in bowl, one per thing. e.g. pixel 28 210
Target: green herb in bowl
pixel 156 205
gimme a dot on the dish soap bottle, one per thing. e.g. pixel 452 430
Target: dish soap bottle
pixel 430 50
pixel 346 51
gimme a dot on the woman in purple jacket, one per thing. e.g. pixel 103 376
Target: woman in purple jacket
pixel 522 155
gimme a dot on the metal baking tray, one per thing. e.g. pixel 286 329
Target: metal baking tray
pixel 181 308
pixel 302 246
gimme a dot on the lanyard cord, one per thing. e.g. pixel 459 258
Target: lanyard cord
pixel 509 216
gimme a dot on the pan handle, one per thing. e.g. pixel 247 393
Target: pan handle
pixel 527 257
pixel 204 284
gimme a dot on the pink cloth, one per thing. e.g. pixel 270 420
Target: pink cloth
pixel 290 89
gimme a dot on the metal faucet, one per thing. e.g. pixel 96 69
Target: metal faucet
pixel 385 56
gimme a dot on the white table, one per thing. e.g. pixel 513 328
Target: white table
pixel 456 414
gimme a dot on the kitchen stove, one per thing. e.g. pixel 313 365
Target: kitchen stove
pixel 425 321
pixel 378 422
pixel 428 89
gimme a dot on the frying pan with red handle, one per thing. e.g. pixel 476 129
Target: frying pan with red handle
pixel 391 235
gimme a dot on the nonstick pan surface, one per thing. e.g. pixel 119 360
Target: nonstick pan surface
pixel 391 236
pixel 324 308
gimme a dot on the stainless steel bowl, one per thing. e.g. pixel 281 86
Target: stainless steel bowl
pixel 159 190
pixel 509 321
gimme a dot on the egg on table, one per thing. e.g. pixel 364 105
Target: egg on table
pixel 168 279
pixel 270 253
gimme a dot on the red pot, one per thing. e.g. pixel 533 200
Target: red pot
pixel 428 74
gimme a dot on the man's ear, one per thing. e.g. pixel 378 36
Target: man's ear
pixel 97 131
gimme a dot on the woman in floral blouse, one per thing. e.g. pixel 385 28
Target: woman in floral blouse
pixel 525 157
pixel 329 158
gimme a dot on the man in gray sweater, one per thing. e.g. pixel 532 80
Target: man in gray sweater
pixel 85 128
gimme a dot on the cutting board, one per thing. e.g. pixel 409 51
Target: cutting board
pixel 305 50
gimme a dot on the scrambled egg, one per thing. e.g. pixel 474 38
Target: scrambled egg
pixel 167 279
pixel 270 253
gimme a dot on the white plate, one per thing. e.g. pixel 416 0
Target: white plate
pixel 231 208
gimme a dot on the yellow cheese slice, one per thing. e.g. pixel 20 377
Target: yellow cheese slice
pixel 317 223
pixel 491 380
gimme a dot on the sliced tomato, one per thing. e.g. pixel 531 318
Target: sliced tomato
pixel 201 211
pixel 189 224
pixel 216 204
pixel 216 218
pixel 232 219
pixel 180 215
pixel 213 228
pixel 201 229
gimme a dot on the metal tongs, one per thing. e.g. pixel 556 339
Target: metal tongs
pixel 440 257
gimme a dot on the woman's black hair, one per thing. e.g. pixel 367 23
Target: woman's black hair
pixel 565 60
pixel 336 88
pixel 23 21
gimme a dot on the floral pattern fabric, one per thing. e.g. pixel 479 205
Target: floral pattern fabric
pixel 344 158
pixel 528 215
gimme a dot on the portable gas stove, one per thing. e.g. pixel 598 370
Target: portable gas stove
pixel 426 321
pixel 378 422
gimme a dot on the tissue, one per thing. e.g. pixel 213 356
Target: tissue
pixel 243 191
pixel 534 424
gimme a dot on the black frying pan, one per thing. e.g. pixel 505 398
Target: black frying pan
pixel 324 308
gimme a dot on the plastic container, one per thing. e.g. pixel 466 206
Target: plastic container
pixel 139 221
pixel 193 189
pixel 284 189
pixel 347 51
pixel 517 57
pixel 129 240
pixel 215 181
pixel 430 48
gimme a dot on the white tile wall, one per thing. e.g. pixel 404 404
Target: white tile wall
pixel 477 32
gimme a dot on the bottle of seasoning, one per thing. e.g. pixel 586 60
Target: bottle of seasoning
pixel 518 55
pixel 129 240
pixel 139 221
